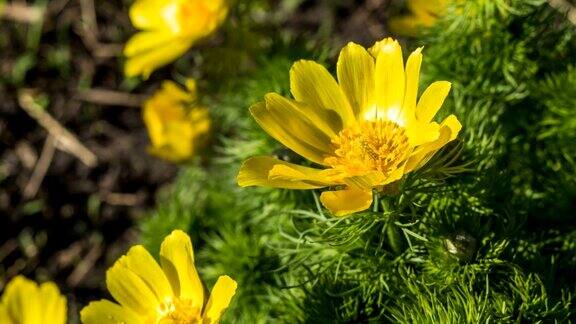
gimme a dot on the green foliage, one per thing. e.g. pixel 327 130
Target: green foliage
pixel 523 299
pixel 484 233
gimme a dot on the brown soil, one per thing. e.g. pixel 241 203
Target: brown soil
pixel 61 219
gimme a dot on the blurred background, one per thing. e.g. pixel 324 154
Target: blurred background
pixel 78 185
pixel 75 175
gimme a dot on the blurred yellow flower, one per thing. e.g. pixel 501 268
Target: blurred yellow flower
pixel 366 131
pixel 169 29
pixel 25 302
pixel 167 293
pixel 423 13
pixel 176 125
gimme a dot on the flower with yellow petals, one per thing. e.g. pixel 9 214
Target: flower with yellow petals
pixel 423 13
pixel 168 29
pixel 176 125
pixel 169 293
pixel 25 302
pixel 366 131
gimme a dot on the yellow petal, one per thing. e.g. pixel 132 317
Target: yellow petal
pixel 104 311
pixel 147 14
pixel 175 129
pixel 412 80
pixel 296 123
pixel 129 289
pixel 347 201
pixel 327 121
pixel 154 123
pixel 375 179
pixel 453 124
pixel 428 10
pixel 177 259
pixel 22 301
pixel 4 317
pixel 171 139
pixel 355 71
pixel 291 129
pixel 419 133
pixel 424 13
pixel 389 80
pixel 168 153
pixel 296 173
pixel 53 304
pixel 312 84
pixel 178 142
pixel 175 93
pixel 431 100
pixel 191 87
pixel 190 17
pixel 146 62
pixel 367 181
pixel 396 174
pixel 215 5
pixel 146 41
pixel 144 266
pixel 199 118
pixel 449 130
pixel 220 298
pixel 266 171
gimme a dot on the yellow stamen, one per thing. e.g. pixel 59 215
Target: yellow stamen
pixel 378 145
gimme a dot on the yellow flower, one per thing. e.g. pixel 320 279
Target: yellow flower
pixel 423 13
pixel 175 124
pixel 167 293
pixel 25 302
pixel 169 29
pixel 366 131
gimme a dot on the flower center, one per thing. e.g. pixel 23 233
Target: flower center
pixel 176 311
pixel 377 145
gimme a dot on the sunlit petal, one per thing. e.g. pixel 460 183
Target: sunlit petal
pixel 104 311
pixel 355 71
pixel 177 259
pixel 311 83
pixel 347 201
pixel 220 298
pixel 270 172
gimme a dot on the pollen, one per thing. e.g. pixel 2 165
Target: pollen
pixel 176 311
pixel 378 145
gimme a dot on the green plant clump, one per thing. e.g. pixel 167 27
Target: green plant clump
pixel 486 232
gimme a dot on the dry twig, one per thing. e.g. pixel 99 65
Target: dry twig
pixel 41 168
pixel 65 139
pixel 26 154
pixel 22 13
pixel 85 266
pixel 565 7
pixel 123 199
pixel 89 33
pixel 67 256
pixel 110 98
